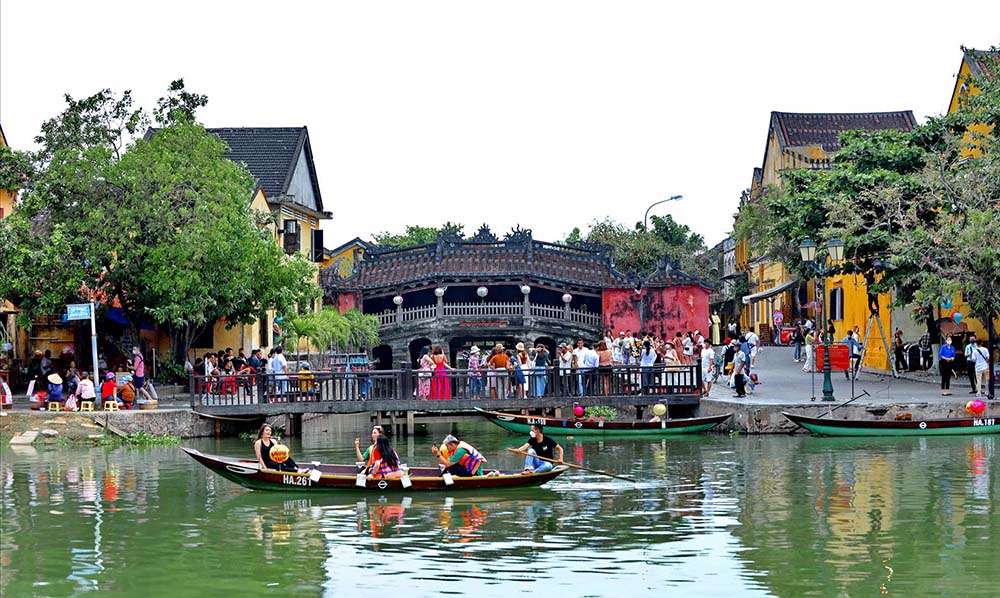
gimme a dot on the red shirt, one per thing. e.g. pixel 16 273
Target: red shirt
pixel 108 389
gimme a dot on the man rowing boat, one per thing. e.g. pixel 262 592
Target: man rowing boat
pixel 460 458
pixel 540 445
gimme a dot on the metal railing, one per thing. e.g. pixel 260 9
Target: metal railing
pixel 409 384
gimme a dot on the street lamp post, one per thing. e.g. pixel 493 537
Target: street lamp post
pixel 645 218
pixel 807 250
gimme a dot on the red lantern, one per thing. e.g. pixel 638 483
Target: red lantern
pixel 577 410
pixel 976 407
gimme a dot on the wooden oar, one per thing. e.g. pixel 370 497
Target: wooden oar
pixel 864 393
pixel 610 475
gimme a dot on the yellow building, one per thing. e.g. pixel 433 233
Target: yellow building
pixel 808 140
pixel 287 188
pixel 9 332
pixel 976 64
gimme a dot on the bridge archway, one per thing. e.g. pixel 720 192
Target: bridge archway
pixel 549 344
pixel 415 346
pixel 382 356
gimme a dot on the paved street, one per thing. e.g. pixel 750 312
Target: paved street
pixel 783 381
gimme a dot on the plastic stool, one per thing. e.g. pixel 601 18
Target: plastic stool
pixel 111 405
pixel 55 406
pixel 86 405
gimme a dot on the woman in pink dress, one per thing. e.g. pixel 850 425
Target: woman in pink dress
pixel 441 382
pixel 424 372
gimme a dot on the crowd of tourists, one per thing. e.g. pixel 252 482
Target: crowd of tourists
pixel 71 388
pixel 626 363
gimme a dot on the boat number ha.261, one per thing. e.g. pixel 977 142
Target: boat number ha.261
pixel 295 480
pixel 984 422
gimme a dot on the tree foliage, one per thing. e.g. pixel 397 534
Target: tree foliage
pixel 417 235
pixel 639 251
pixel 161 226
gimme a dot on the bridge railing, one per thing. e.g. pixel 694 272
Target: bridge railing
pixel 408 384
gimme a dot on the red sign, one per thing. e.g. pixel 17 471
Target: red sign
pixel 840 358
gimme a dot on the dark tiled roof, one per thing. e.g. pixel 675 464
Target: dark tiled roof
pixel 269 152
pixel 501 260
pixel 823 129
pixel 982 63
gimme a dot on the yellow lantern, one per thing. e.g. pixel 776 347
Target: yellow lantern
pixel 659 410
pixel 279 453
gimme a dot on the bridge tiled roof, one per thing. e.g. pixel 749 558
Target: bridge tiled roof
pixel 516 258
pixel 500 261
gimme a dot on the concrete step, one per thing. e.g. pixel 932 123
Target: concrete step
pixel 25 439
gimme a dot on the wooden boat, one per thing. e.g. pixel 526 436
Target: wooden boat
pixel 343 478
pixel 565 427
pixel 916 427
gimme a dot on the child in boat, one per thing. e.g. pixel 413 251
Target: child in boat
pixel 387 466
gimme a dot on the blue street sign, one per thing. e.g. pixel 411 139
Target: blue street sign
pixel 78 311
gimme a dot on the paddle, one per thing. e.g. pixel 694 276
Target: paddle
pixel 610 475
pixel 864 393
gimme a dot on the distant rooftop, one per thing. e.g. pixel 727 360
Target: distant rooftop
pixel 798 129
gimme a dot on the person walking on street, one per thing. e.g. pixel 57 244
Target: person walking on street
pixel 970 363
pixel 946 358
pixel 739 369
pixel 797 339
pixel 139 365
pixel 900 351
pixel 707 366
pixel 809 343
pixel 981 366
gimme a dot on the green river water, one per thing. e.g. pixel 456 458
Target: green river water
pixel 711 516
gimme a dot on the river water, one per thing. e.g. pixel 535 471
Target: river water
pixel 712 516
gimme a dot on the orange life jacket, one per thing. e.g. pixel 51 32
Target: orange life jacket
pixel 472 459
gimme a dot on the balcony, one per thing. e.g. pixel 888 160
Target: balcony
pixel 401 315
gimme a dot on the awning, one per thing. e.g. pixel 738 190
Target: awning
pixel 771 292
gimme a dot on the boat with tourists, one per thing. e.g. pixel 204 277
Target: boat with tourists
pixel 521 424
pixel 345 478
pixel 896 427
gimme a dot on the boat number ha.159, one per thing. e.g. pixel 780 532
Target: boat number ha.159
pixel 295 480
pixel 984 422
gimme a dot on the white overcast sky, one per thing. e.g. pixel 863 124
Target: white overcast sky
pixel 548 114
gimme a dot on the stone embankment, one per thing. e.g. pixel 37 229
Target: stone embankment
pixel 81 427
pixel 761 418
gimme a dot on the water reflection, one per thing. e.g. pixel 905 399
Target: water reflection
pixel 711 516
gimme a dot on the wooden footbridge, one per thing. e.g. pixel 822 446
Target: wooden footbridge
pixel 406 394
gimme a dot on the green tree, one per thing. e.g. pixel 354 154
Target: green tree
pixel 639 251
pixel 164 227
pixel 417 235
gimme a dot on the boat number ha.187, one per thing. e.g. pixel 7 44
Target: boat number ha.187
pixel 984 422
pixel 295 480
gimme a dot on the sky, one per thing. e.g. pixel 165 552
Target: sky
pixel 543 114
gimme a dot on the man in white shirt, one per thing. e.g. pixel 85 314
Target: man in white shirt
pixel 981 357
pixel 279 365
pixel 753 340
pixel 590 363
pixel 707 365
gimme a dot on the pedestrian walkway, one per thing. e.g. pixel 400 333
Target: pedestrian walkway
pixel 784 382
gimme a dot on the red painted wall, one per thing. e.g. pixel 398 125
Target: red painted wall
pixel 661 311
pixel 346 301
